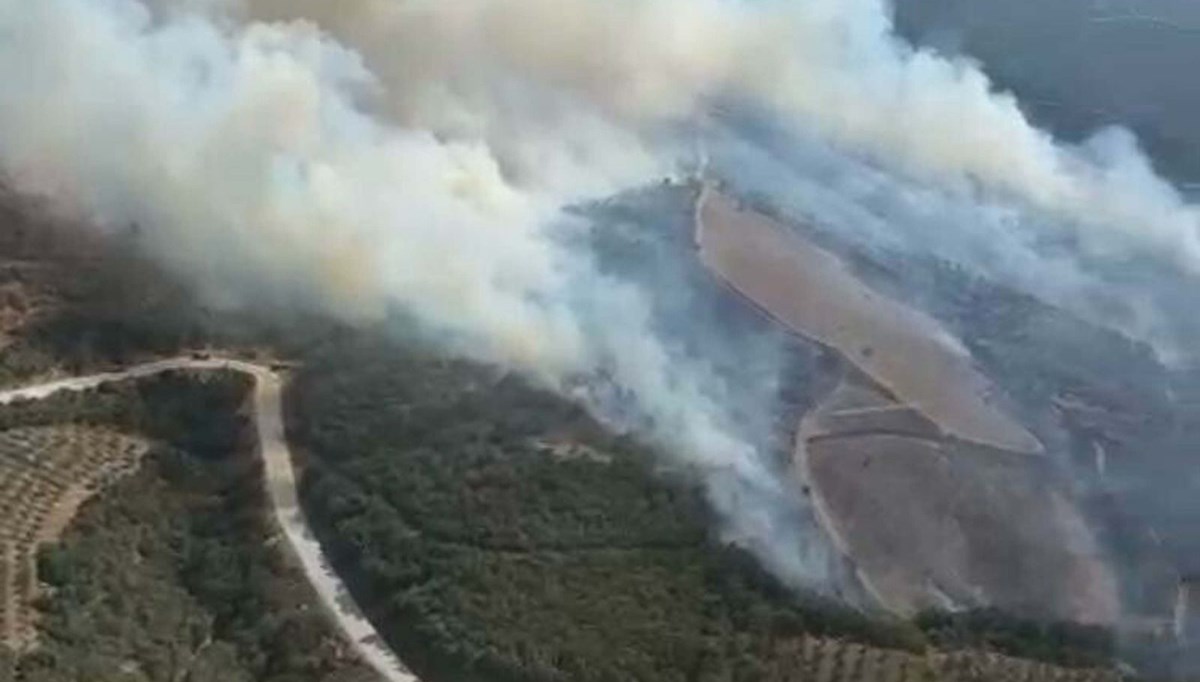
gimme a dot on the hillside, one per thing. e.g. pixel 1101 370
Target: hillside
pixel 173 571
pixel 500 534
pixel 599 341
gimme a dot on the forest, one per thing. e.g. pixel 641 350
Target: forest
pixel 498 533
pixel 495 531
pixel 175 573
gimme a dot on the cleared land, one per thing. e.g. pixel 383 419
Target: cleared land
pixel 810 291
pixel 826 660
pixel 892 419
pixel 930 522
pixel 485 555
pixel 918 477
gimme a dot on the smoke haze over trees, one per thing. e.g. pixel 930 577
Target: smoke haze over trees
pixel 375 159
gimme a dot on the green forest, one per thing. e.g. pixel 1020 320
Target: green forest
pixel 495 531
pixel 176 572
pixel 485 552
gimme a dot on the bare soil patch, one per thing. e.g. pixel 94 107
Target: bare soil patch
pixel 812 293
pixel 932 522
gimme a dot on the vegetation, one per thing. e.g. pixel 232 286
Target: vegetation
pixel 73 301
pixel 484 552
pixel 199 412
pixel 70 300
pixel 496 532
pixel 1068 644
pixel 44 473
pixel 176 572
pixel 206 597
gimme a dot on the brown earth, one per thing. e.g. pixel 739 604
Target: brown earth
pixel 812 293
pixel 919 478
pixel 929 521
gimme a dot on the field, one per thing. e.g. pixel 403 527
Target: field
pixel 812 293
pixel 931 522
pixel 45 474
pixel 822 660
pixel 930 488
pixel 168 571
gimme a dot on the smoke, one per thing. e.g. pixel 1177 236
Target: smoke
pixel 368 155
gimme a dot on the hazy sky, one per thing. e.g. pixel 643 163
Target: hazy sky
pixel 1080 64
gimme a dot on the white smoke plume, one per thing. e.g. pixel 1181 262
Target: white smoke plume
pixel 417 154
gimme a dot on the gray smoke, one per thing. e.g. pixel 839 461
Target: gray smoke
pixel 372 154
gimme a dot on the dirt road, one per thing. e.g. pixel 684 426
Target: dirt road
pixel 279 476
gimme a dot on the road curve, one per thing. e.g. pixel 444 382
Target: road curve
pixel 279 477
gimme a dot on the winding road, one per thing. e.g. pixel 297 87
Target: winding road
pixel 280 480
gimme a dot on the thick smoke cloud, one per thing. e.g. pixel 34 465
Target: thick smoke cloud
pixel 368 155
pixel 828 67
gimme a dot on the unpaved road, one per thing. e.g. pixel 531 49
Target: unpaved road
pixel 280 479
